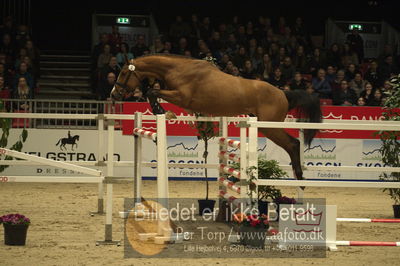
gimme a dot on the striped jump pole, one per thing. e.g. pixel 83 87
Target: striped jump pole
pixel 229 170
pixel 229 184
pixel 229 156
pixel 367 220
pixel 230 142
pixel 145 133
pixel 368 243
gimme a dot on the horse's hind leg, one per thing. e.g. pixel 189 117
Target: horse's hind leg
pixel 290 144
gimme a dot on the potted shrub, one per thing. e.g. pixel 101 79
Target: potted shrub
pixel 390 148
pixel 205 131
pixel 252 229
pixel 267 169
pixel 15 229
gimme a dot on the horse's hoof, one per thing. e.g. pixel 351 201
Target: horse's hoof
pixel 170 115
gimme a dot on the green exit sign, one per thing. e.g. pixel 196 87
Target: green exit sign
pixel 123 21
pixel 355 26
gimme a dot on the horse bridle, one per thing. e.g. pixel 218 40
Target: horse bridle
pixel 124 85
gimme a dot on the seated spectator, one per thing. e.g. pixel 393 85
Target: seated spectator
pixel 134 96
pixel 113 67
pixel 357 84
pixel 377 100
pixel 348 56
pixel 361 101
pixel 367 93
pixel 20 57
pixel 346 96
pixel 286 87
pixel 335 84
pixel 235 71
pixel 23 72
pixel 4 91
pixel 140 47
pixel 224 61
pixel 310 90
pixel 257 57
pixel 287 68
pixel 372 75
pixel 104 57
pixel 105 88
pixel 330 73
pixel 23 92
pixel 248 71
pixel 124 55
pixel 277 79
pixel 265 69
pixel 229 68
pixel 158 46
pixel 321 85
pixel 298 83
pixel 22 36
pixel 98 49
pixel 5 75
pixel 278 60
pixel 240 58
pixel 333 56
pixel 351 72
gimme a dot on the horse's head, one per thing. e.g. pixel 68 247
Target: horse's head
pixel 128 79
pixel 76 137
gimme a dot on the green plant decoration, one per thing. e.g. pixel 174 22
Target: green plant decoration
pixel 5 124
pixel 390 149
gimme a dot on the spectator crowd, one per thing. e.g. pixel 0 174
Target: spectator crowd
pixel 19 62
pixel 280 53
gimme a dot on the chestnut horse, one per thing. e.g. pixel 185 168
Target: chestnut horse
pixel 199 86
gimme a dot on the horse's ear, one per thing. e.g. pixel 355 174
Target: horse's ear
pixel 130 61
pixel 126 60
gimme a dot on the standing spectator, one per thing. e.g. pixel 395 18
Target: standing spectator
pixel 321 85
pixel 23 72
pixel 265 69
pixel 140 46
pixel 300 32
pixel 357 84
pixel 277 79
pixel 387 68
pixel 345 96
pixel 287 68
pixel 333 56
pixel 300 59
pixel 205 29
pixel 194 30
pixel 372 74
pixel 177 30
pixel 348 56
pixel 317 61
pixel 115 39
pixel 298 83
pixel 356 43
pixel 34 54
pixel 8 48
pixel 99 48
pixel 368 93
pixel 104 57
pixel 124 55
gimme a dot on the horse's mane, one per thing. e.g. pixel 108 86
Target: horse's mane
pixel 169 55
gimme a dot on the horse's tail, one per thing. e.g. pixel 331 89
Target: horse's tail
pixel 58 142
pixel 308 110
